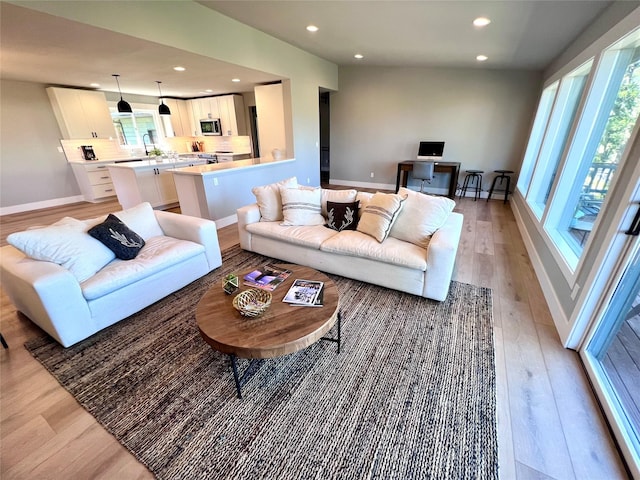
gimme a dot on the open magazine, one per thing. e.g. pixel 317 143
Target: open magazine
pixel 267 277
pixel 304 292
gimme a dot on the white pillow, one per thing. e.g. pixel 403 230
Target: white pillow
pixel 301 206
pixel 379 215
pixel 337 196
pixel 66 243
pixel 142 220
pixel 269 200
pixel 420 217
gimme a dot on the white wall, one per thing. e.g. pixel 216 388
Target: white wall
pixel 379 116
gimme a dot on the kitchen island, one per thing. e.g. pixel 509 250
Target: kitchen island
pixel 149 180
pixel 216 191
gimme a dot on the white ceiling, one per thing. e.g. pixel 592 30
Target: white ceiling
pixel 523 34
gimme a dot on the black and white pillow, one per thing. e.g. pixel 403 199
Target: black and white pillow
pixel 342 216
pixel 119 238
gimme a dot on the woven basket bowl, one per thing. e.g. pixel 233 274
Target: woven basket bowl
pixel 252 302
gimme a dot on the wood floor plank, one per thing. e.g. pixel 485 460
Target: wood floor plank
pixel 506 456
pixel 572 394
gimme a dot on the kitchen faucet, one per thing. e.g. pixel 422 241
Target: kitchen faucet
pixel 146 152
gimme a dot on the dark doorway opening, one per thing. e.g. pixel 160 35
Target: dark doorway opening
pixel 253 124
pixel 325 160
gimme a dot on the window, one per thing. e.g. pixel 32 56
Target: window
pixel 537 134
pixel 553 146
pixel 607 121
pixel 137 129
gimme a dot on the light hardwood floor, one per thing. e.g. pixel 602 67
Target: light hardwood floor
pixel 549 425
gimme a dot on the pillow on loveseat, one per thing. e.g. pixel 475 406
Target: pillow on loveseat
pixel 65 243
pixel 117 237
pixel 379 215
pixel 301 206
pixel 420 217
pixel 269 200
pixel 339 196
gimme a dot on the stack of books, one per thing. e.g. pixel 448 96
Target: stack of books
pixel 267 277
pixel 306 293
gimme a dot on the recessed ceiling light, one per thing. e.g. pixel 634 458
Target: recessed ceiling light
pixel 482 58
pixel 235 80
pixel 95 85
pixel 208 90
pixel 481 22
pixel 179 69
pixel 359 56
pixel 312 28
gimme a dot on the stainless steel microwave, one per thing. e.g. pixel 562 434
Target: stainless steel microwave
pixel 210 126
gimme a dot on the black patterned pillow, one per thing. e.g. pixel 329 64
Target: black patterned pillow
pixel 119 238
pixel 342 216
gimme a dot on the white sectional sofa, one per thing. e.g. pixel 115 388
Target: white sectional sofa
pixel 70 306
pixel 422 266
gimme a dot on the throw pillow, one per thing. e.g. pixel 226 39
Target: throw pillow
pixel 67 244
pixel 301 206
pixel 269 200
pixel 342 196
pixel 142 220
pixel 342 216
pixel 379 214
pixel 118 238
pixel 420 217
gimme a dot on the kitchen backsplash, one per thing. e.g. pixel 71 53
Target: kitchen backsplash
pixel 111 150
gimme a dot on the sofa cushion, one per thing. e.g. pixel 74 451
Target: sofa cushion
pixel 65 243
pixel 269 200
pixel 364 198
pixel 378 216
pixel 307 236
pixel 118 238
pixel 393 251
pixel 342 216
pixel 158 253
pixel 142 220
pixel 420 217
pixel 301 206
pixel 340 196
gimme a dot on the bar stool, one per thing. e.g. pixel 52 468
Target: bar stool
pixel 472 180
pixel 504 175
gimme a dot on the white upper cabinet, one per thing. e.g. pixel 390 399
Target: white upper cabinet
pixel 232 117
pixel 179 122
pixel 228 108
pixel 272 132
pixel 81 113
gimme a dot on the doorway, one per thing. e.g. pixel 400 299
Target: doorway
pixel 253 125
pixel 325 157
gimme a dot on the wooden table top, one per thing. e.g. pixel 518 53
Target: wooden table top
pixel 282 329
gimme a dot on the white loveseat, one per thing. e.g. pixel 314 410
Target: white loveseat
pixel 424 267
pixel 178 250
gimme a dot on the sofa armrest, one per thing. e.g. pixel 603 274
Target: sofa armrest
pixel 198 230
pixel 441 257
pixel 247 215
pixel 46 293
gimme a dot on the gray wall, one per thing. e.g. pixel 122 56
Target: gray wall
pixel 31 167
pixel 379 115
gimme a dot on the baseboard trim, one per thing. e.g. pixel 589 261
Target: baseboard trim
pixel 27 207
pixel 560 320
pixel 226 221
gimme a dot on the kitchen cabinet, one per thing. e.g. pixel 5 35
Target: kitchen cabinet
pixel 178 124
pixel 272 129
pixel 232 117
pixel 81 113
pixel 202 108
pixel 94 181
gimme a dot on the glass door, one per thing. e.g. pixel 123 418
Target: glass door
pixel 612 352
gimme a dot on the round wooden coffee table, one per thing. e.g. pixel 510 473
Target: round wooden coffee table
pixel 281 330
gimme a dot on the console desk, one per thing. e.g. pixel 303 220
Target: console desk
pixel 452 168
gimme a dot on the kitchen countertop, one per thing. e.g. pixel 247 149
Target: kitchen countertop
pixel 216 168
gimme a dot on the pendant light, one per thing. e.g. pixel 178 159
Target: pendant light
pixel 162 108
pixel 123 107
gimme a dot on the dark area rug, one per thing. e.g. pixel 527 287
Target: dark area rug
pixel 411 395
